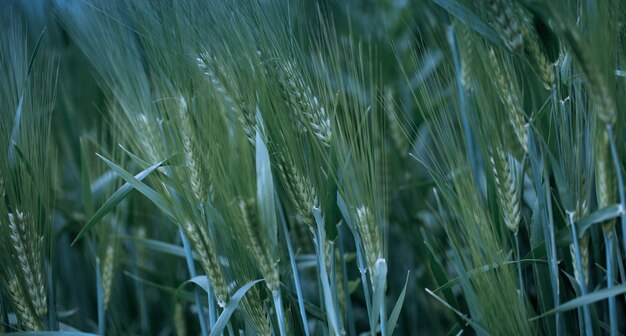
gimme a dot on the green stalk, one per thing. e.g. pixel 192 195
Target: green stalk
pixel 519 273
pixel 610 275
pixel 580 278
pixel 280 316
pixel 620 181
pixel 192 273
pixel 101 317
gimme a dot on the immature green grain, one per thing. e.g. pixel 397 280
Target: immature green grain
pixel 372 243
pixel 207 64
pixel 180 325
pixel 108 274
pixel 202 245
pixel 260 252
pixel 507 191
pixel 511 103
pixel 467 58
pixel 305 104
pixel 254 307
pixel 507 23
pixel 26 247
pixel 606 187
pixel 583 244
pixel 540 61
pixel 197 176
pixel 27 319
pixel 298 189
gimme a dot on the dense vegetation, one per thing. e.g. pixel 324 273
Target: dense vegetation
pixel 302 168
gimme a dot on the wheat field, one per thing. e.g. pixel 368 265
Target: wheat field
pixel 356 167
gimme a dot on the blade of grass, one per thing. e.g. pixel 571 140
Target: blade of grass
pixel 115 199
pixel 230 308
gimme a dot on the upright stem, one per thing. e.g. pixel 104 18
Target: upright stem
pixel 192 273
pixel 580 278
pixel 519 273
pixel 620 182
pixel 610 276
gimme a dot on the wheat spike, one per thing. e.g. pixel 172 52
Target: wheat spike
pixel 26 249
pixel 305 104
pixel 299 189
pixel 108 274
pixel 200 188
pixel 606 187
pixel 506 23
pixel 202 245
pixel 510 101
pixel 256 313
pixel 372 243
pixel 28 321
pixel 538 58
pixel 261 253
pixel 506 189
pixel 180 325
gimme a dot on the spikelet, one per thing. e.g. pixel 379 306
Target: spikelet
pixel 197 177
pixel 261 252
pixel 26 248
pixel 507 23
pixel 298 189
pixel 25 316
pixel 507 191
pixel 203 246
pixel 372 243
pixel 309 112
pixel 511 103
pixel 180 325
pixel 108 274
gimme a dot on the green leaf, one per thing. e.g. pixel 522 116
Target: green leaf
pixel 584 300
pixel 395 313
pixel 85 179
pixel 599 216
pixel 327 293
pixel 115 199
pixel 265 195
pixel 143 188
pixel 379 281
pixel 230 308
pixel 466 16
pixel 159 246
